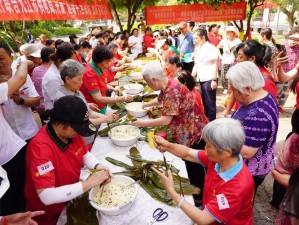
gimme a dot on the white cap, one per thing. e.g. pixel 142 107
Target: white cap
pixel 231 28
pixel 36 54
pixel 160 43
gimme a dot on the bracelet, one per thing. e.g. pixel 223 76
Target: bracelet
pixel 180 203
pixel 96 165
pixel 4 220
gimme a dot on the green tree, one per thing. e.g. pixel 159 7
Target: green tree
pixel 251 6
pixel 132 7
pixel 13 33
pixel 289 7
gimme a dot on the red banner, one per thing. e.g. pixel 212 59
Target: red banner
pixel 54 10
pixel 194 12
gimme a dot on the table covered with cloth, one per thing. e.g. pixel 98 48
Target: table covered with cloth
pixel 144 205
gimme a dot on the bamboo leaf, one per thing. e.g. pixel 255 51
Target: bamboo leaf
pixel 118 163
pixel 134 152
pixel 157 193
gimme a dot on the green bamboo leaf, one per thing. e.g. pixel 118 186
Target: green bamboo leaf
pixel 157 193
pixel 130 117
pixel 118 163
pixel 134 152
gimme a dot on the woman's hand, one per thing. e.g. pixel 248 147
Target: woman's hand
pixel 161 143
pixel 138 123
pixel 281 59
pixel 167 181
pixel 112 117
pixel 22 218
pixel 93 107
pixel 99 177
pixel 127 98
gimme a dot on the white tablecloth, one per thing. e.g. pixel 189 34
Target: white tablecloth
pixel 142 209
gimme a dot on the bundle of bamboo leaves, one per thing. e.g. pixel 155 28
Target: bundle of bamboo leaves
pixel 142 171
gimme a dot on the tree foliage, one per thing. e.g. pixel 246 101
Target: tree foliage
pixel 132 7
pixel 251 6
pixel 289 7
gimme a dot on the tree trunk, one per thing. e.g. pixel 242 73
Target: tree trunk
pixel 290 15
pixel 113 6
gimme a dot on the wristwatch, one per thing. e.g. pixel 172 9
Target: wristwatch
pixel 21 101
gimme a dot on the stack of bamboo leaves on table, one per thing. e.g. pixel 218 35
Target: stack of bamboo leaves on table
pixel 142 172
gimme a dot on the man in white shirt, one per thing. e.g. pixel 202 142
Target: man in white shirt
pixel 10 144
pixel 206 71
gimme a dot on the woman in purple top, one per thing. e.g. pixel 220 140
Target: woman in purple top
pixel 38 73
pixel 258 114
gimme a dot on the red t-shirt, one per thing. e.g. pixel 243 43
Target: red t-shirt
pixel 148 41
pixel 269 82
pixel 67 165
pixel 230 201
pixel 214 39
pixel 94 82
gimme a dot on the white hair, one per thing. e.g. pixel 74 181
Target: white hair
pixel 153 70
pixel 245 74
pixel 225 133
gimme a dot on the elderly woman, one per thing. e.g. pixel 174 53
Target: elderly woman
pixel 258 114
pixel 229 189
pixel 71 72
pixel 180 111
pixel 172 66
pixel 261 55
pixel 94 87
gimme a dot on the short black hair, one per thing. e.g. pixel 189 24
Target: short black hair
pixel 187 79
pixel 49 42
pixel 212 26
pixel 6 48
pixel 174 59
pixel 191 23
pixel 45 53
pixel 63 53
pixel 101 53
pixel 98 35
pixel 58 42
pixel 85 44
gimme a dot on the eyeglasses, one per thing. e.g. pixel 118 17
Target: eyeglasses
pixel 287 207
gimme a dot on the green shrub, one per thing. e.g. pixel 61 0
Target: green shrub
pixel 38 31
pixel 64 31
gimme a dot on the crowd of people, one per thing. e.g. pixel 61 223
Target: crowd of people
pixel 69 85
